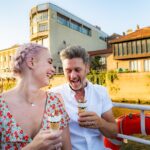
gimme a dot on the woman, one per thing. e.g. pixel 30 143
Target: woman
pixel 25 110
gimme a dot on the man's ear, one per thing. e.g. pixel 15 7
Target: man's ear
pixel 30 62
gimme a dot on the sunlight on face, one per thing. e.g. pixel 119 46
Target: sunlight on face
pixel 75 72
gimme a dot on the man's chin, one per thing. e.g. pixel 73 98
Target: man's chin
pixel 75 88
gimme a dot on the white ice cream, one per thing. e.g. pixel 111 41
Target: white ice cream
pixel 54 118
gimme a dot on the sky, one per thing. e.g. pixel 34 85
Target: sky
pixel 112 16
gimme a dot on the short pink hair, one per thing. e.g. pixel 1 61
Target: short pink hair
pixel 23 52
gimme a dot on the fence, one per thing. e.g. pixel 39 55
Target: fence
pixel 142 108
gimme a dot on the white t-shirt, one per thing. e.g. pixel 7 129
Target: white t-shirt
pixel 97 101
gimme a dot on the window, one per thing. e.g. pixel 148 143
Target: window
pixel 143 46
pixel 147 65
pixel 116 49
pixel 43 27
pixel 62 20
pixel 74 25
pixel 42 16
pixel 134 47
pixel 125 49
pixel 139 50
pixel 148 45
pixel 102 38
pixel 120 49
pixel 135 65
pixel 102 60
pixel 129 49
pixel 86 30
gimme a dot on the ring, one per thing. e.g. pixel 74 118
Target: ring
pixel 92 123
pixel 56 147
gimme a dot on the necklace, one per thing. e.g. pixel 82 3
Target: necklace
pixel 32 104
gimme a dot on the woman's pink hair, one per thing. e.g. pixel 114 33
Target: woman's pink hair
pixel 23 52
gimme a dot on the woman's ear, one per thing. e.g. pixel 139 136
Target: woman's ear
pixel 30 62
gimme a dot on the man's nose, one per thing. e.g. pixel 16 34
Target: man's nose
pixel 73 74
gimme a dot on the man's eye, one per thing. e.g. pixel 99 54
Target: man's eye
pixel 77 70
pixel 50 62
pixel 68 71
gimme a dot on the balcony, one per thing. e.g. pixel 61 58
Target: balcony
pixel 131 56
pixel 38 35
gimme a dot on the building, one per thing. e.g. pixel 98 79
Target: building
pixel 103 54
pixel 57 28
pixel 131 52
pixel 6 56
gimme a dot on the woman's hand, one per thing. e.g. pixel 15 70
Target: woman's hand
pixel 46 140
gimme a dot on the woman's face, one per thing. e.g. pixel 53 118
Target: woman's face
pixel 43 69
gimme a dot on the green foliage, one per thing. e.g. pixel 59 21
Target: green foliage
pixel 95 62
pixel 6 84
pixel 112 75
pixel 98 77
pixel 123 70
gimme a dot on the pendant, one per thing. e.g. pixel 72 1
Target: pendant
pixel 32 104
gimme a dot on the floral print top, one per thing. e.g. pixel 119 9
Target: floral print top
pixel 12 137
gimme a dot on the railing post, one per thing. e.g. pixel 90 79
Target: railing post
pixel 142 118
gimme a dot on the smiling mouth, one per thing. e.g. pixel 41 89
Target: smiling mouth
pixel 50 76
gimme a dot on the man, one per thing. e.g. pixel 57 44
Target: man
pixel 86 128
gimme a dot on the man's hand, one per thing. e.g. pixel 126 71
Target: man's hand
pixel 90 120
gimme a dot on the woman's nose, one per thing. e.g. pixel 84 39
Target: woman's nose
pixel 53 69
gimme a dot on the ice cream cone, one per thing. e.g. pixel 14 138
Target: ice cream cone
pixel 54 121
pixel 82 106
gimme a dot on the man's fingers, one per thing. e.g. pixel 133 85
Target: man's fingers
pixel 86 113
pixel 82 119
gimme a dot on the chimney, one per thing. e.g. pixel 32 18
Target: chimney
pixel 123 33
pixel 137 27
pixel 129 31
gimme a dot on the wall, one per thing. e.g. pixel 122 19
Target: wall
pixel 130 87
pixel 60 33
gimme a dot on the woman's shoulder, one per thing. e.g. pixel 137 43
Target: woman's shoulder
pixel 55 96
pixel 7 94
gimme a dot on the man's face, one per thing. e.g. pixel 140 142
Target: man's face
pixel 75 71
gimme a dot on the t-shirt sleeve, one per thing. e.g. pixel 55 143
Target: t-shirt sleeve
pixel 64 116
pixel 55 104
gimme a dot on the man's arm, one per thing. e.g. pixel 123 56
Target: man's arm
pixel 106 124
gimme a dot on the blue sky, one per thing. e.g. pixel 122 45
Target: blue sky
pixel 113 16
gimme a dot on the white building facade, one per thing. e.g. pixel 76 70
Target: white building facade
pixel 56 28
